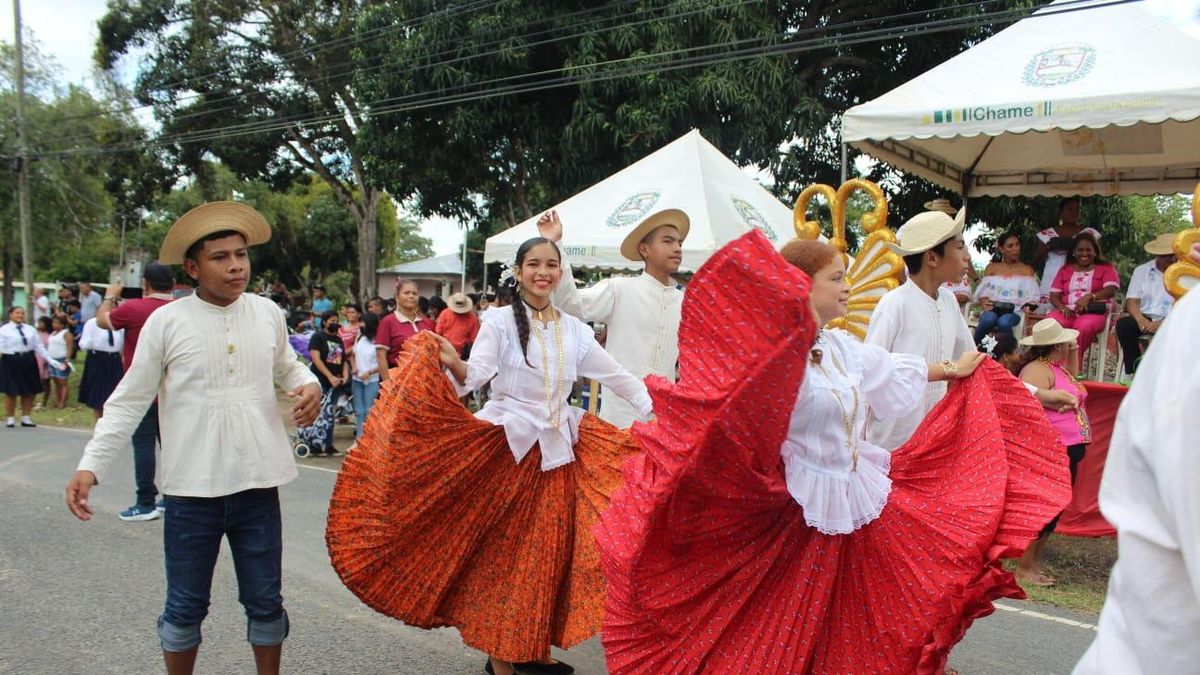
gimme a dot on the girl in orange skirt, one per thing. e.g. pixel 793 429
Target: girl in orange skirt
pixel 442 518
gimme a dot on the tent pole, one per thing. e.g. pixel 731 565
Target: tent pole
pixel 843 144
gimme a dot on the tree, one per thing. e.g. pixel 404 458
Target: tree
pixel 275 76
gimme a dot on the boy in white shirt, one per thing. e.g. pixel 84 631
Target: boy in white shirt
pixel 213 359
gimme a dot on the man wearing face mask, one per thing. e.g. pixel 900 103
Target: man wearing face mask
pixel 332 368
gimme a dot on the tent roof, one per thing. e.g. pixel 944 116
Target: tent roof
pixel 1083 97
pixel 441 265
pixel 722 201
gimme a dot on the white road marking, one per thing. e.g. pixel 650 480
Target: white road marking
pixel 1046 617
pixel 316 468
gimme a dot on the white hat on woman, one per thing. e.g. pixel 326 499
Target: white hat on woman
pixel 1049 332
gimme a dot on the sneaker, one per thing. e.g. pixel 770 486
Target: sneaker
pixel 137 512
pixel 332 452
pixel 161 507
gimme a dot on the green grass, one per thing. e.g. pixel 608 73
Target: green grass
pixel 1081 567
pixel 75 415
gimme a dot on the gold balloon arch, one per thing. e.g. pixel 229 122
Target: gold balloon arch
pixel 1185 274
pixel 875 270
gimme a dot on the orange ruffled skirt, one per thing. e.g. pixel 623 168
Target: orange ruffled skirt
pixel 433 522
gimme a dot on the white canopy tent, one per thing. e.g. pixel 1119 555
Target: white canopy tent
pixel 722 201
pixel 1085 97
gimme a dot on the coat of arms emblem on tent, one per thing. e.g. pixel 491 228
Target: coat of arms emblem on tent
pixel 632 210
pixel 1059 65
pixel 753 218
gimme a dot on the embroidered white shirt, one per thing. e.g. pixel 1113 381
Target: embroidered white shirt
pixel 518 398
pixel 817 458
pixel 214 371
pixel 1151 493
pixel 642 316
pixel 908 321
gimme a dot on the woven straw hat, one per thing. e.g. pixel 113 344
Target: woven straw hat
pixel 1163 244
pixel 210 218
pixel 460 304
pixel 942 204
pixel 926 230
pixel 1049 332
pixel 674 217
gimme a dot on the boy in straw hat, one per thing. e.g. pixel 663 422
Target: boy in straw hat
pixel 212 359
pixel 642 313
pixel 1147 300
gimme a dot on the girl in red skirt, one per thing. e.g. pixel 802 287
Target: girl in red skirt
pixel 759 533
pixel 484 522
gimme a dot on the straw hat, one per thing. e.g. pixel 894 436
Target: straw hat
pixel 674 217
pixel 210 218
pixel 1049 332
pixel 1163 244
pixel 460 304
pixel 926 230
pixel 942 204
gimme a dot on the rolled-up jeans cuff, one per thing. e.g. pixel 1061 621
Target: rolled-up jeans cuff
pixel 178 638
pixel 267 633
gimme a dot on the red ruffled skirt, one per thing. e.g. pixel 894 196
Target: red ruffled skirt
pixel 709 563
pixel 434 523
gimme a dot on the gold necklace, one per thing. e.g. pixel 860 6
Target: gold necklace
pixel 848 419
pixel 1081 418
pixel 553 387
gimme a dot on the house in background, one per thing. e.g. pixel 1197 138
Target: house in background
pixel 439 275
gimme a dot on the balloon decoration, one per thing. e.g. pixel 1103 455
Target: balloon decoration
pixel 875 270
pixel 1184 275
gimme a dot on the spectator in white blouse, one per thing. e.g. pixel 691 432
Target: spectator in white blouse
pixel 1147 301
pixel 213 359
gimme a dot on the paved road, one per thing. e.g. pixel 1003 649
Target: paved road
pixel 83 597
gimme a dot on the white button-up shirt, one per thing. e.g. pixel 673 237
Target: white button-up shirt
pixel 1147 287
pixel 1151 494
pixel 96 339
pixel 642 316
pixel 908 321
pixel 214 371
pixel 518 399
pixel 21 338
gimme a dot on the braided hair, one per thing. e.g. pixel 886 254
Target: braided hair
pixel 520 313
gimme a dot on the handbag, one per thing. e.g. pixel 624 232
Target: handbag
pixel 1096 308
pixel 1002 308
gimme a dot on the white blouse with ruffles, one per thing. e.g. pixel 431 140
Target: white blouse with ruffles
pixel 1016 289
pixel 518 398
pixel 816 457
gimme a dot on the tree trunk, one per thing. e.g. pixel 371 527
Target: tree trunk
pixel 368 242
pixel 10 269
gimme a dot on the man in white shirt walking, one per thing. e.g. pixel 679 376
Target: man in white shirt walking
pixel 1151 495
pixel 921 317
pixel 213 359
pixel 642 313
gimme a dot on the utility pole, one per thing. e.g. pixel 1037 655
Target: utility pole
pixel 23 166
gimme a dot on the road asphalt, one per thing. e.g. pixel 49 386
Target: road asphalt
pixel 82 597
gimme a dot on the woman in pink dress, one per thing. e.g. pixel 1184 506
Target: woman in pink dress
pixel 1083 289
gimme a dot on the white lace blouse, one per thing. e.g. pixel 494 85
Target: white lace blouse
pixel 518 397
pixel 816 455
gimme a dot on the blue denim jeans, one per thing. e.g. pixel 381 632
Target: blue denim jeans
pixel 990 321
pixel 145 437
pixel 363 395
pixel 192 535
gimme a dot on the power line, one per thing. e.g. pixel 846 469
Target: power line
pixel 446 97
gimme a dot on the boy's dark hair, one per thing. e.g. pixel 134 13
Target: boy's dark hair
pixel 326 316
pixel 193 251
pixel 916 261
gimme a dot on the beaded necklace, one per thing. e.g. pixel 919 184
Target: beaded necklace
pixel 553 386
pixel 848 417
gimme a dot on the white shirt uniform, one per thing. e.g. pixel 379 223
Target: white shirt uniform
pixel 908 321
pixel 816 458
pixel 96 339
pixel 642 316
pixel 1151 493
pixel 21 338
pixel 1147 287
pixel 214 371
pixel 518 400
